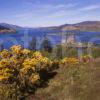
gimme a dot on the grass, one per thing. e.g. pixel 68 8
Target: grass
pixel 72 83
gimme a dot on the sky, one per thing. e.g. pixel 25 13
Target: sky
pixel 40 13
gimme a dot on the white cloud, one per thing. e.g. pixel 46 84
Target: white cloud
pixel 59 6
pixel 61 14
pixel 44 7
pixel 45 10
pixel 91 7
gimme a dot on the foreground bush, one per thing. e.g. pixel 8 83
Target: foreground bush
pixel 70 61
pixel 21 68
pixel 22 71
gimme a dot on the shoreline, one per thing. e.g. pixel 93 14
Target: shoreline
pixel 7 31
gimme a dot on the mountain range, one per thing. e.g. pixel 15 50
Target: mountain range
pixel 82 26
pixel 10 26
pixel 4 28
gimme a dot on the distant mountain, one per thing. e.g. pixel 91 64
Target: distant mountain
pixel 89 23
pixel 6 28
pixel 3 28
pixel 83 26
pixel 10 26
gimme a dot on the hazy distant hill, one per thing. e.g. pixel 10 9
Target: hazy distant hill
pixel 10 26
pixel 88 26
pixel 83 26
pixel 3 28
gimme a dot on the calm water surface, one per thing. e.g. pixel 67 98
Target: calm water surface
pixel 24 37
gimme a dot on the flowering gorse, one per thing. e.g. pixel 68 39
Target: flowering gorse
pixel 70 61
pixel 86 58
pixel 19 63
pixel 26 69
pixel 5 54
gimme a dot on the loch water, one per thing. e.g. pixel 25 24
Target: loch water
pixel 24 37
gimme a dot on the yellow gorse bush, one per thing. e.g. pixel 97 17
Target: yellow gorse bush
pixel 25 69
pixel 86 58
pixel 5 54
pixel 26 51
pixel 70 61
pixel 20 63
pixel 16 49
pixel 34 78
pixel 5 70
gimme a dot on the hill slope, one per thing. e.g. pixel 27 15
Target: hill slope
pixel 2 28
pixel 6 28
pixel 83 26
pixel 10 26
pixel 72 83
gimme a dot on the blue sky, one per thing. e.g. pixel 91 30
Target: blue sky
pixel 36 13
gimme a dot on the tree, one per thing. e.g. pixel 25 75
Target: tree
pixel 1 46
pixel 46 45
pixel 33 44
